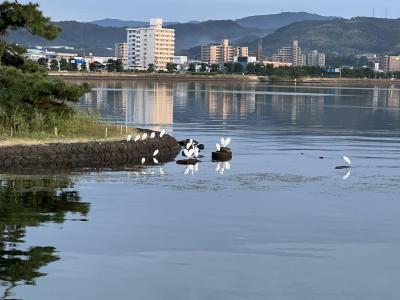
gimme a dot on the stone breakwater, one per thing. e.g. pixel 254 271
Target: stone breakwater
pixel 87 155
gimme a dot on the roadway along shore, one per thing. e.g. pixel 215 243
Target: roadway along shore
pixel 218 77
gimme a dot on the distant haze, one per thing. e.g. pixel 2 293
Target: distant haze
pixel 188 10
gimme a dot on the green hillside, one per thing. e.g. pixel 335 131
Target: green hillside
pixel 274 21
pixel 357 35
pixel 189 35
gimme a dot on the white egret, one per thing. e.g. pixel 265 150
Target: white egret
pixel 196 152
pixel 218 147
pixel 225 142
pixel 143 160
pixel 347 160
pixel 137 138
pixel 129 138
pixel 144 136
pixel 188 153
pixel 188 145
pixel 155 160
pixel 162 132
pixel 156 152
pixel 153 135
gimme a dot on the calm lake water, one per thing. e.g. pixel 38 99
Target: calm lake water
pixel 279 222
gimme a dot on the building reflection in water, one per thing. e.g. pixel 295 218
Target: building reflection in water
pixel 159 103
pixel 151 104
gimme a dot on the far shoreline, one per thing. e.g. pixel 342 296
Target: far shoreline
pixel 210 78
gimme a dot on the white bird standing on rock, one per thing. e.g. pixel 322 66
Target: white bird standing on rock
pixel 153 135
pixel 225 142
pixel 144 136
pixel 129 138
pixel 162 132
pixel 137 138
pixel 188 145
pixel 143 160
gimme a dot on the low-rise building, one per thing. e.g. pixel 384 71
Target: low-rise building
pixel 277 64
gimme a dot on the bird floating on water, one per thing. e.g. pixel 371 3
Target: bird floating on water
pixel 347 161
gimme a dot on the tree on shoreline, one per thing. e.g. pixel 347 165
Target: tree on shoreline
pixel 24 85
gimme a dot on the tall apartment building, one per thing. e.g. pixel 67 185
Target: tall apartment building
pixel 316 59
pixel 291 55
pixel 121 52
pixel 219 54
pixel 390 63
pixel 150 45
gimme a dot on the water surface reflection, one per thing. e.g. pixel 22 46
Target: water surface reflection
pixel 31 202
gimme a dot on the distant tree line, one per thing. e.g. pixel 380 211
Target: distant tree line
pixel 69 65
pixel 287 72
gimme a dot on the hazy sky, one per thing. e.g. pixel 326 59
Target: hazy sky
pixel 186 10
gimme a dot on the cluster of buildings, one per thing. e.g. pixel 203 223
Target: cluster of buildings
pixel 294 56
pixel 223 53
pixel 155 45
pixel 41 53
pixel 287 56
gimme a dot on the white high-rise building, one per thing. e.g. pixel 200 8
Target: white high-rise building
pixel 150 45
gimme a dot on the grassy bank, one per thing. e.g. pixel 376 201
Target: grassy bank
pixel 52 127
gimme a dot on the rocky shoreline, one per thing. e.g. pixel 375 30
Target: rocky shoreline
pixel 87 155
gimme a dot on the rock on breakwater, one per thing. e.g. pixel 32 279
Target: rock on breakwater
pixel 104 154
